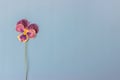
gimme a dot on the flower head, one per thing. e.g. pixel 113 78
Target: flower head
pixel 26 30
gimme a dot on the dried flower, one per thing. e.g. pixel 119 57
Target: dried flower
pixel 26 30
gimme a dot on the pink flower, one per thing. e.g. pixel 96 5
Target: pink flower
pixel 26 30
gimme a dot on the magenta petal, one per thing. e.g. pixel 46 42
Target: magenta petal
pixel 22 38
pixel 24 22
pixel 19 28
pixel 34 26
pixel 31 33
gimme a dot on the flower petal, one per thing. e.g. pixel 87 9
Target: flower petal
pixel 34 26
pixel 22 38
pixel 24 22
pixel 31 33
pixel 20 28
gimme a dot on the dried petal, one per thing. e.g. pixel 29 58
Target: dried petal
pixel 22 38
pixel 31 33
pixel 34 26
pixel 20 28
pixel 24 22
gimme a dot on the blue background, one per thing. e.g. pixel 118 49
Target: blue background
pixel 78 40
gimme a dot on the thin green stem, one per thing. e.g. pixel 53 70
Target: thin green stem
pixel 26 62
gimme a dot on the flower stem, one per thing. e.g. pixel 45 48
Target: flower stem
pixel 26 62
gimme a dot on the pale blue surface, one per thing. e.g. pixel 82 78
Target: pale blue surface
pixel 78 40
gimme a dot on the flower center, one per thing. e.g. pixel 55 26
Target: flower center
pixel 25 31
